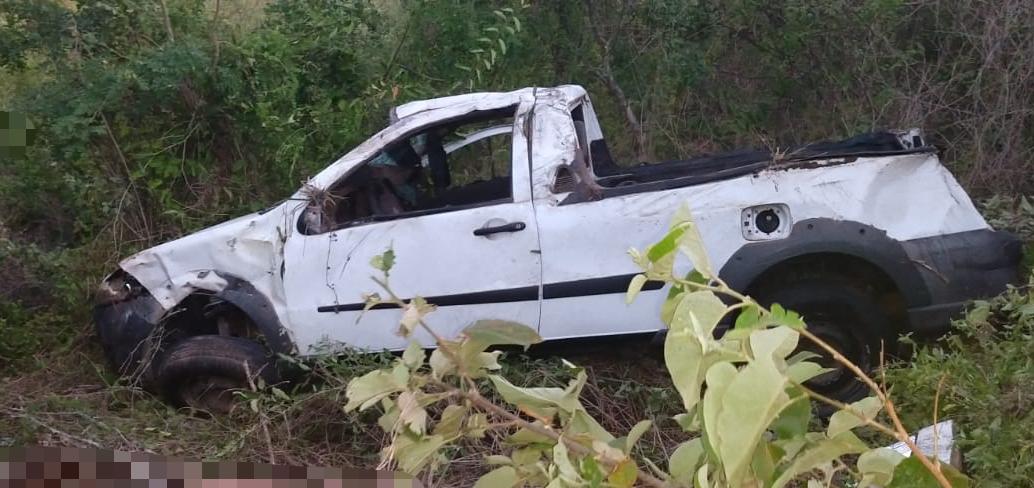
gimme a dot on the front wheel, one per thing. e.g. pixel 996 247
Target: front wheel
pixel 843 317
pixel 203 371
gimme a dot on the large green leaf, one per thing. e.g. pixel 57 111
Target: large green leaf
pixel 684 461
pixel 501 477
pixel 750 403
pixel 684 358
pixel 562 460
pixel 776 343
pixel 411 414
pixel 911 473
pixel 719 377
pixel 635 433
pixel 583 424
pixel 542 398
pixel 451 421
pixel 699 312
pixel 793 420
pixel 820 451
pixel 877 466
pixel 802 371
pixel 666 245
pixel 414 356
pixel 691 243
pixel 367 390
pixel 703 477
pixel 763 462
pixel 500 333
pixel 669 306
pixel 634 287
pixel 413 455
pixel 843 420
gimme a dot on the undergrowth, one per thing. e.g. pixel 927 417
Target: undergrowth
pixel 58 391
pixel 987 370
pixel 72 399
pixel 988 387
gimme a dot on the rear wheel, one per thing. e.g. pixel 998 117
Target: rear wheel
pixel 202 372
pixel 843 317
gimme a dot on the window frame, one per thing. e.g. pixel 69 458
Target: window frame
pixel 580 106
pixel 511 112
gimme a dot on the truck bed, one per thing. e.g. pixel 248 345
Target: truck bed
pixel 619 180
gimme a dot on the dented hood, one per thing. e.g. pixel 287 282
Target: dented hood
pixel 248 247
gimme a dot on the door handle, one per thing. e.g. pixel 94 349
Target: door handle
pixel 511 227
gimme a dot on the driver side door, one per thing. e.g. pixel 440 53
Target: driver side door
pixel 476 260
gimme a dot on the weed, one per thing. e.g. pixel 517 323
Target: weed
pixel 988 388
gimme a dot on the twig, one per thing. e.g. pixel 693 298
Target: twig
pixel 901 432
pixel 847 408
pixel 215 35
pixel 398 48
pixel 606 74
pixel 262 416
pixel 936 407
pixel 15 413
pixel 168 21
pixel 439 340
pixel 476 398
pixel 474 395
pixel 129 175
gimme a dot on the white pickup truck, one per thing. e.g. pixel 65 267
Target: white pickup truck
pixel 508 205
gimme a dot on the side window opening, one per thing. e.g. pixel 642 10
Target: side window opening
pixel 448 166
pixel 564 181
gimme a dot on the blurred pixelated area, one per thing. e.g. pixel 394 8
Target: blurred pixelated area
pixel 33 466
pixel 16 134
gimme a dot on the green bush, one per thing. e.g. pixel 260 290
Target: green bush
pixel 44 300
pixel 988 387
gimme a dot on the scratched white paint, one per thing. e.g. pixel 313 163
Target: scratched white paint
pixel 908 196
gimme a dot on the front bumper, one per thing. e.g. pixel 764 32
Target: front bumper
pixel 957 268
pixel 125 329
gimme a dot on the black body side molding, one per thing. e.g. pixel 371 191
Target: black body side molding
pixel 567 289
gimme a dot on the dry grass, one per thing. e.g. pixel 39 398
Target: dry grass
pixel 72 400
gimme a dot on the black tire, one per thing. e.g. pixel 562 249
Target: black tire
pixel 846 318
pixel 201 372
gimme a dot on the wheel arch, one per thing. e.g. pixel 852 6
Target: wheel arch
pixel 236 294
pixel 259 309
pixel 848 248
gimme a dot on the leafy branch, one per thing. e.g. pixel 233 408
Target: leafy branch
pixel 463 362
pixel 493 43
pixel 745 395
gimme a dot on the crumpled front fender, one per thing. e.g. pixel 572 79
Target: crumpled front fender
pixel 127 331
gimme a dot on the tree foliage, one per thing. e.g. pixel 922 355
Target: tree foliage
pixel 161 117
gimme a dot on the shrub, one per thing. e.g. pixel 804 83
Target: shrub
pixel 988 387
pixel 743 398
